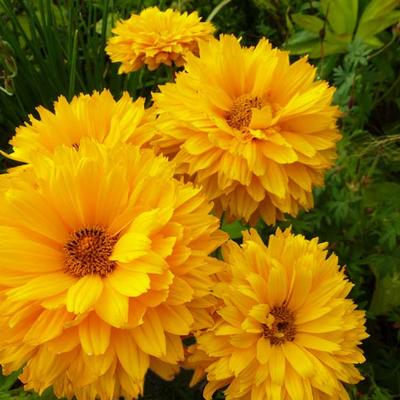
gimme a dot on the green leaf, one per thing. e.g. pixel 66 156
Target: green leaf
pixel 373 42
pixel 302 42
pixel 386 295
pixel 377 16
pixel 234 229
pixel 310 23
pixel 112 18
pixel 382 193
pixel 341 15
pixel 331 45
pixel 6 382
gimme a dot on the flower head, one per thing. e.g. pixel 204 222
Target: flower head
pixel 97 116
pixel 156 37
pixel 256 131
pixel 285 329
pixel 105 264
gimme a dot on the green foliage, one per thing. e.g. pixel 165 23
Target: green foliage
pixel 337 24
pixel 49 48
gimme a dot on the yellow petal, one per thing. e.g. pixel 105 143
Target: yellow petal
pixel 279 153
pixel 112 306
pixel 316 342
pixel 94 335
pixel 277 365
pixel 41 287
pixel 129 283
pixel 174 352
pixel 298 359
pixel 263 350
pixel 293 384
pixel 83 295
pixel 150 335
pixel 277 285
pixel 49 325
pixel 240 359
pixel 65 342
pixel 132 359
pixel 261 119
pixel 275 179
pixel 259 312
pixel 130 246
pixel 179 292
pixel 175 319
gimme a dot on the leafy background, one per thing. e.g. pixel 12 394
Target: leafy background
pixel 48 48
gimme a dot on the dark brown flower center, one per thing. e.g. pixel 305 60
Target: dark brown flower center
pixel 240 114
pixel 282 329
pixel 87 252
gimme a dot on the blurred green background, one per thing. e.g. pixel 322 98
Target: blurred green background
pixel 48 48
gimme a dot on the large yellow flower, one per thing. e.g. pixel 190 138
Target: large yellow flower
pixel 285 330
pixel 256 131
pixel 156 37
pixel 104 264
pixel 97 116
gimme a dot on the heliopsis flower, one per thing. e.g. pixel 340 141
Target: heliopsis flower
pixel 254 130
pixel 104 265
pixel 96 116
pixel 156 37
pixel 286 329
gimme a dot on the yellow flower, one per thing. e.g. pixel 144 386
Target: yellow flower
pixel 97 116
pixel 285 330
pixel 256 131
pixel 104 265
pixel 156 37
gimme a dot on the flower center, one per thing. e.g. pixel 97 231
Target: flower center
pixel 239 117
pixel 87 252
pixel 282 329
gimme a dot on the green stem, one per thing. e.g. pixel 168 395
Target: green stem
pixel 217 9
pixel 72 73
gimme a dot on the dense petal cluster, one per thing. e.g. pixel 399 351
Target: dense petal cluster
pixel 285 330
pixel 104 264
pixel 97 116
pixel 254 130
pixel 156 37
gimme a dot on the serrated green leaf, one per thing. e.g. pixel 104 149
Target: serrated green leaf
pixel 310 23
pixel 341 15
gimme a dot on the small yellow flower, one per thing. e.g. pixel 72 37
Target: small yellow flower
pixel 256 131
pixel 104 265
pixel 97 116
pixel 285 330
pixel 156 37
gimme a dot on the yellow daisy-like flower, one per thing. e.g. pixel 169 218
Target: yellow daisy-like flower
pixel 104 264
pixel 256 131
pixel 286 330
pixel 97 116
pixel 156 37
